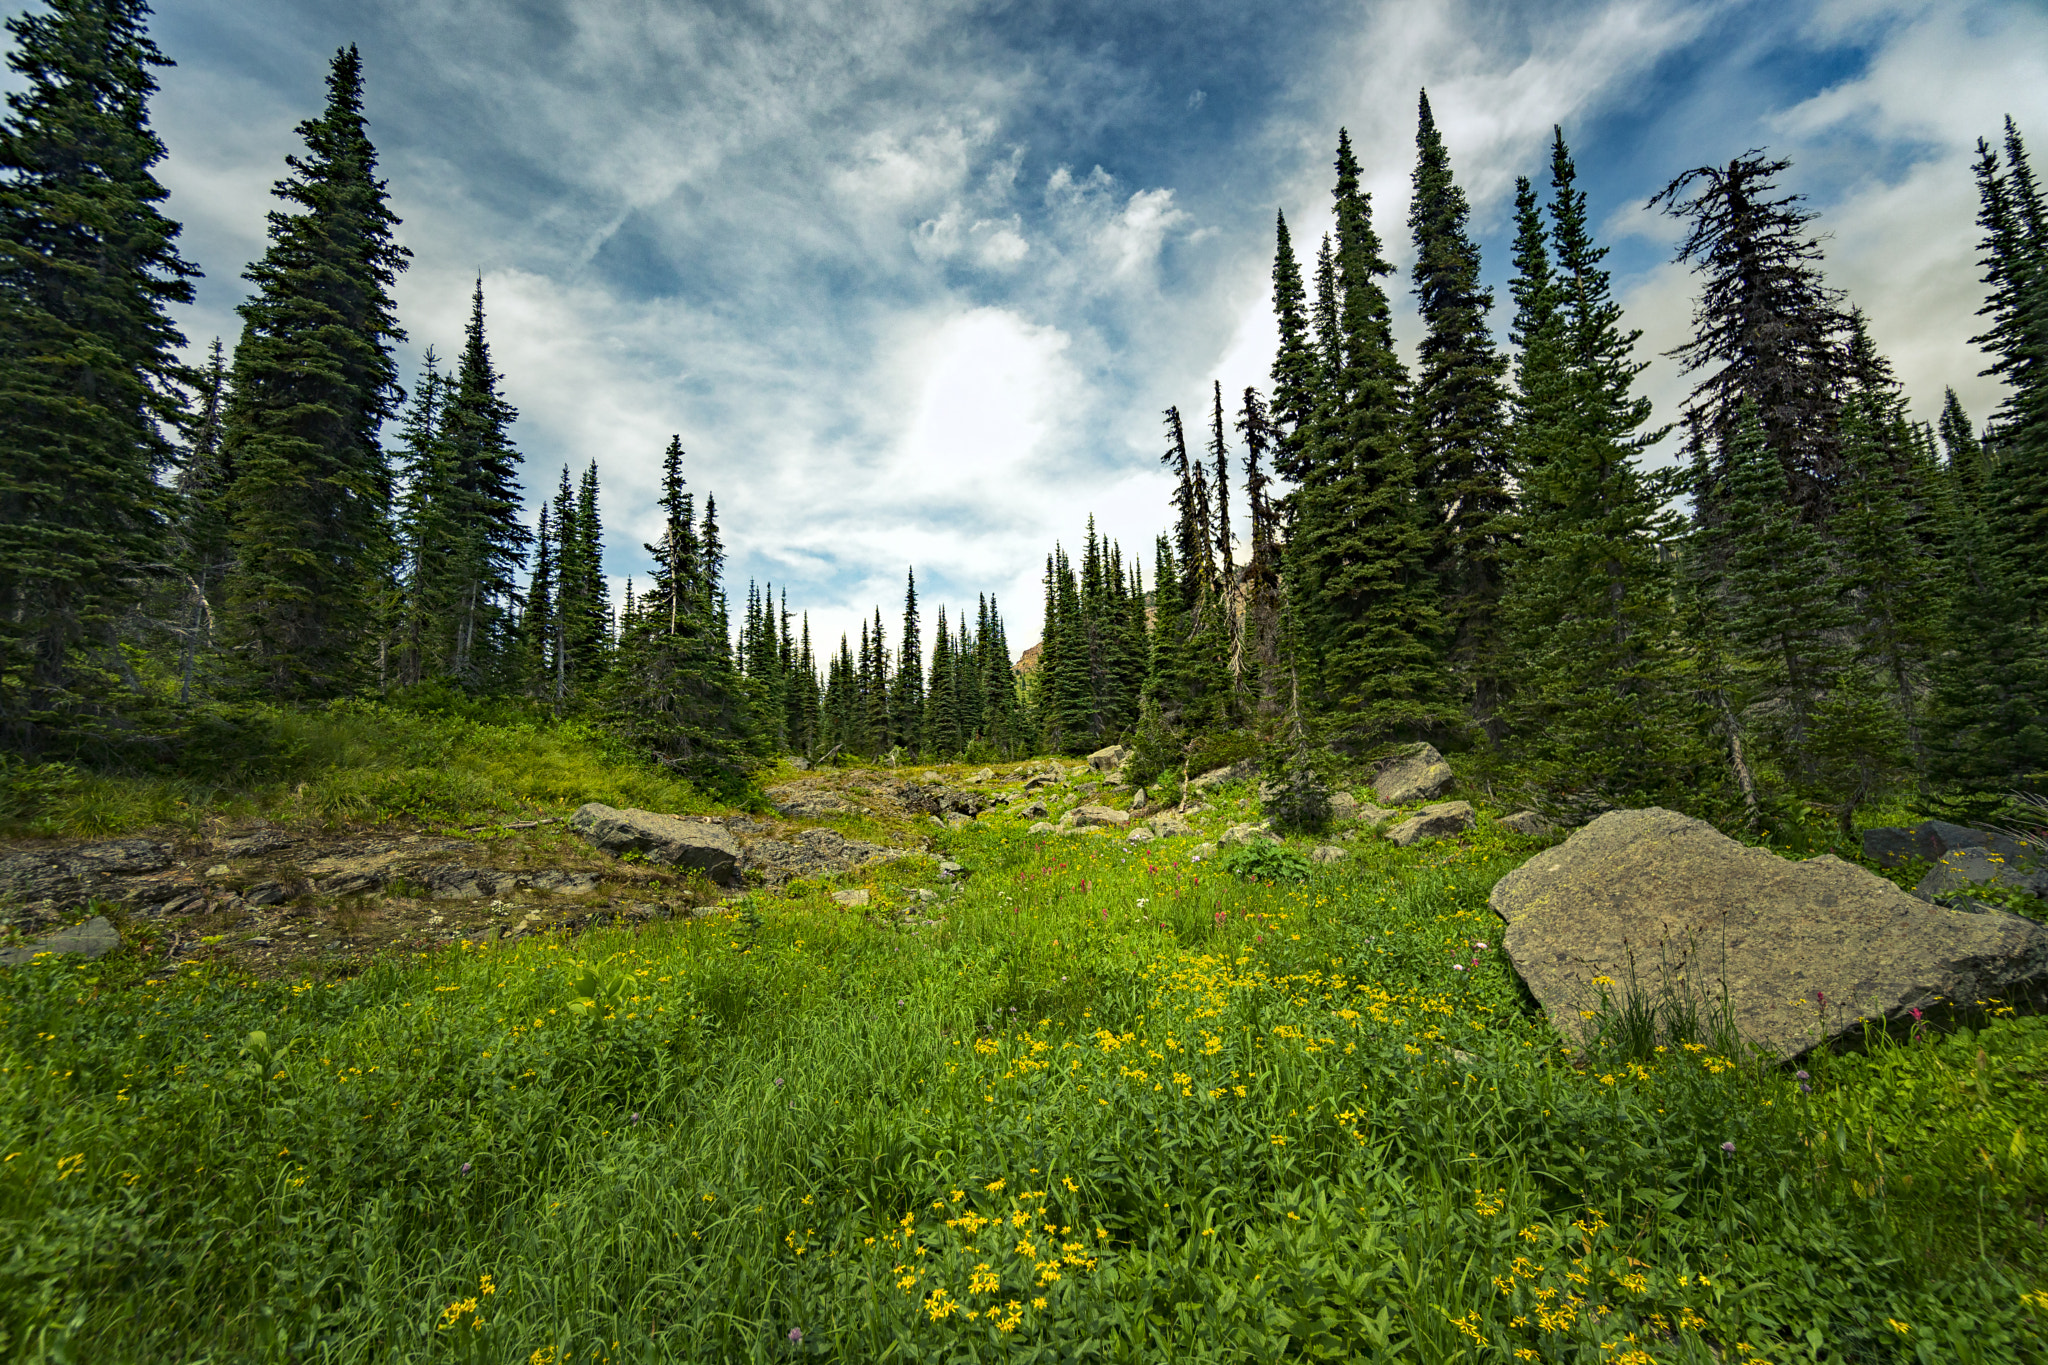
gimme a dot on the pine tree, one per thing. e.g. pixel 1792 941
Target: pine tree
pixel 941 718
pixel 201 550
pixel 1296 371
pixel 537 623
pixel 1766 325
pixel 1190 527
pixel 88 370
pixel 490 538
pixel 1595 706
pixel 1356 551
pixel 1459 421
pixel 1219 454
pixel 425 532
pixel 1258 642
pixel 908 723
pixel 314 380
pixel 587 601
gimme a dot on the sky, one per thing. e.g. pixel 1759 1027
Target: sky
pixel 913 282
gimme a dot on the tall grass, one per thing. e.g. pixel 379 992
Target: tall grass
pixel 1114 1105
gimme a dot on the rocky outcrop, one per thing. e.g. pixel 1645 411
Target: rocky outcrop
pixel 1528 822
pixel 1417 773
pixel 1957 874
pixel 1109 759
pixel 1808 952
pixel 1216 777
pixel 1439 821
pixel 1170 825
pixel 1930 840
pixel 666 839
pixel 927 798
pixel 812 853
pixel 61 879
pixel 1245 834
pixel 795 800
pixel 94 938
pixel 1343 805
pixel 1084 817
pixel 1328 853
pixel 1140 835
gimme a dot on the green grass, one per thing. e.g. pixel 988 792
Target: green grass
pixel 349 763
pixel 1116 1106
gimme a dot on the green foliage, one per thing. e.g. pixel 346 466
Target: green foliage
pixel 1265 860
pixel 1155 750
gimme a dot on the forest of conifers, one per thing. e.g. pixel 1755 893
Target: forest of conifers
pixel 1824 600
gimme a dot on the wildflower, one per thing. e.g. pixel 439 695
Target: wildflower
pixel 778 1081
pixel 796 1336
pixel 632 1118
pixel 1800 1075
pixel 1457 966
pixel 465 1168
pixel 1479 944
pixel 1728 1146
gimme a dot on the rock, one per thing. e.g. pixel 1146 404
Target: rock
pixel 1083 788
pixel 1032 784
pixel 267 893
pixel 1928 841
pixel 1530 823
pixel 802 765
pixel 1343 806
pixel 1140 835
pixel 661 839
pixel 1418 773
pixel 1967 868
pixel 1082 817
pixel 1683 897
pixel 1139 798
pixel 349 884
pixel 794 801
pixel 1171 825
pixel 1216 777
pixel 1195 809
pixel 1435 822
pixel 1202 851
pixel 958 821
pixel 985 775
pixel 815 852
pixel 1109 759
pixel 1246 834
pixel 941 801
pixel 1043 827
pixel 930 775
pixel 951 871
pixel 94 938
pixel 1328 853
pixel 255 845
pixel 1370 814
pixel 69 877
pixel 1034 809
pixel 853 899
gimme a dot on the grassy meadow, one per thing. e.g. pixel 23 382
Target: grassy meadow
pixel 1101 1102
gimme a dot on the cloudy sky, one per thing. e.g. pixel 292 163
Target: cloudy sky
pixel 914 281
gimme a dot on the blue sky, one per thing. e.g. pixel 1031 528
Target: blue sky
pixel 914 281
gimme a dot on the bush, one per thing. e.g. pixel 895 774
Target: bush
pixel 1265 861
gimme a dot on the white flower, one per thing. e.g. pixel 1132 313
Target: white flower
pixel 1143 901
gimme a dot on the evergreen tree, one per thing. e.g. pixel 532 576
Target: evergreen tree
pixel 941 718
pixel 490 539
pixel 586 596
pixel 1066 701
pixel 1969 473
pixel 1459 421
pixel 1766 326
pixel 88 366
pixel 425 531
pixel 538 622
pixel 1357 548
pixel 1296 371
pixel 908 723
pixel 1596 706
pixel 1258 644
pixel 1190 528
pixel 201 548
pixel 314 380
pixel 1219 453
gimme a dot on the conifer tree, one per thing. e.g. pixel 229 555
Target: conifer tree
pixel 1766 326
pixel 941 718
pixel 1296 371
pixel 538 622
pixel 1459 422
pixel 202 551
pixel 1596 707
pixel 586 595
pixel 1190 530
pixel 88 372
pixel 1066 702
pixel 908 722
pixel 1219 454
pixel 490 539
pixel 1356 551
pixel 1258 644
pixel 425 531
pixel 314 380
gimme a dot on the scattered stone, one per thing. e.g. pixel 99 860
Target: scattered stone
pixel 930 775
pixel 1530 823
pixel 1435 822
pixel 1171 825
pixel 1082 817
pixel 94 938
pixel 1216 777
pixel 1109 759
pixel 1140 797
pixel 661 839
pixel 1343 806
pixel 1043 827
pixel 66 878
pixel 349 884
pixel 1964 870
pixel 814 852
pixel 1328 853
pixel 1678 896
pixel 925 893
pixel 1140 835
pixel 793 801
pixel 951 871
pixel 266 893
pixel 1195 809
pixel 255 845
pixel 1418 773
pixel 1035 808
pixel 1032 784
pixel 853 899
pixel 1246 834
pixel 220 870
pixel 985 775
pixel 1202 851
pixel 1930 840
pixel 958 821
pixel 1370 814
pixel 1083 788
pixel 941 801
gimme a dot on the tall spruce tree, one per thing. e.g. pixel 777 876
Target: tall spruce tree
pixel 1297 371
pixel 426 531
pixel 201 551
pixel 1596 708
pixel 490 539
pixel 1459 421
pixel 907 719
pixel 1357 549
pixel 1767 328
pixel 88 372
pixel 314 380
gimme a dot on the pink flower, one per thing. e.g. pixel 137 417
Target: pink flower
pixel 1728 1146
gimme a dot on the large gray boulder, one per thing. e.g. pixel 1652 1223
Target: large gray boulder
pixel 1807 951
pixel 1439 821
pixel 1108 760
pixel 795 800
pixel 1171 825
pixel 661 838
pixel 1528 822
pixel 1928 841
pixel 94 938
pixel 1083 817
pixel 1418 773
pixel 1965 870
pixel 1216 777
